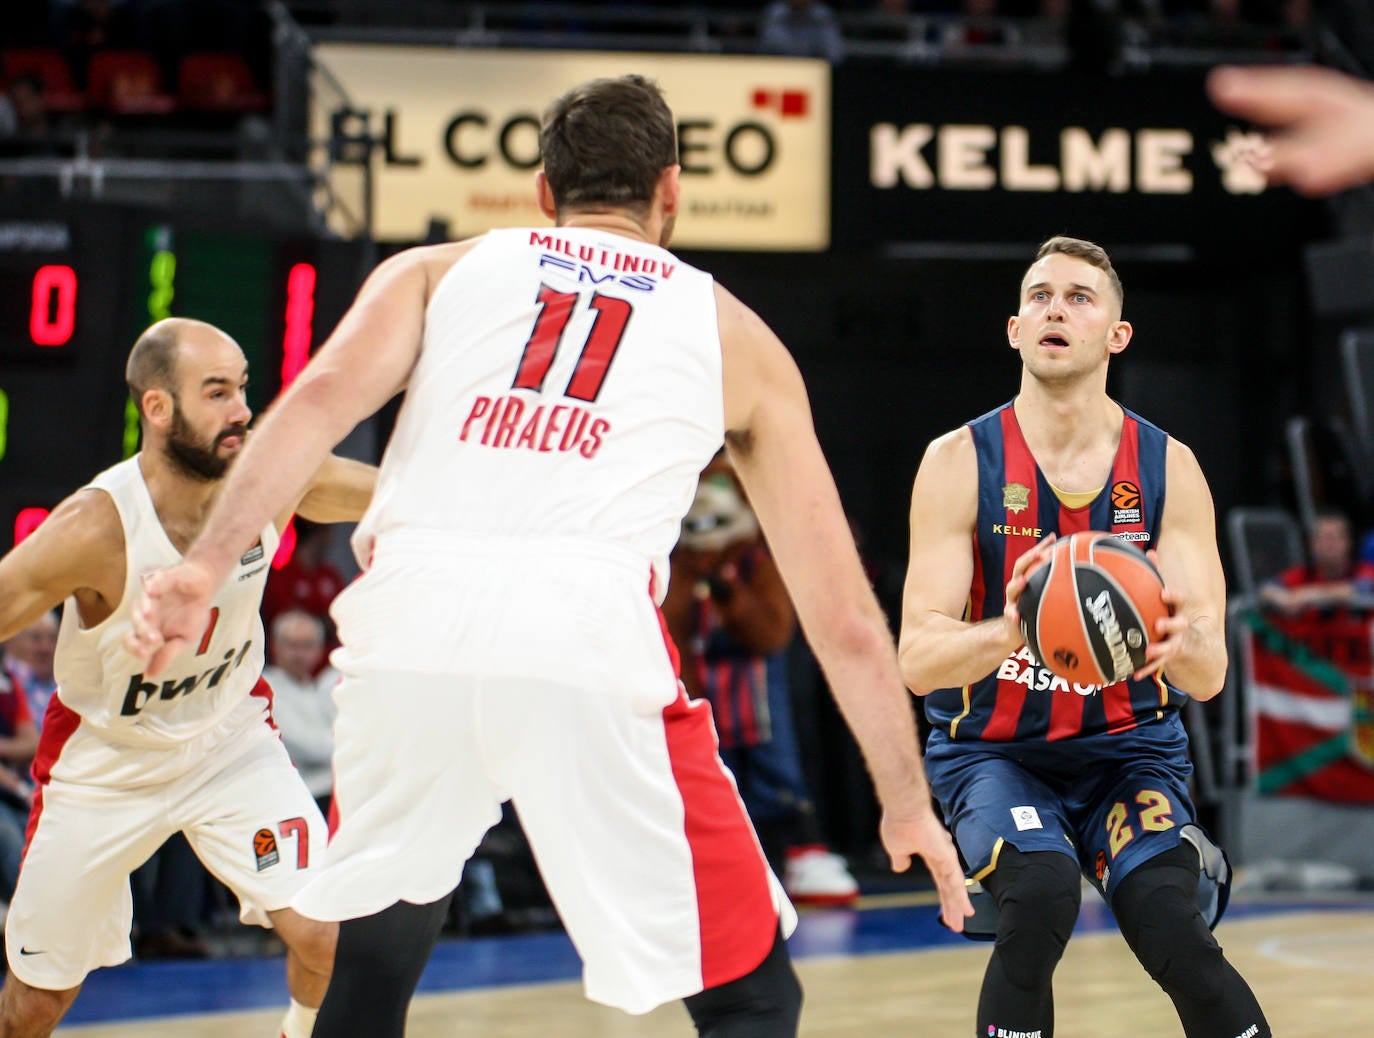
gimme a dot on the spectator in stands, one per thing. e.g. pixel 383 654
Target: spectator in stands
pixel 25 128
pixel 303 700
pixel 18 741
pixel 801 27
pixel 1331 579
pixel 30 110
pixel 308 581
pixel 29 660
pixel 730 616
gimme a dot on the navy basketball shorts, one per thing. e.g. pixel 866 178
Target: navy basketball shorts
pixel 1110 801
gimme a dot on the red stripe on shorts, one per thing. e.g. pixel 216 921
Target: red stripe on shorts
pixel 735 909
pixel 59 722
pixel 264 691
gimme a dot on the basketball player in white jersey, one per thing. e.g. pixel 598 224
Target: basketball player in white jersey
pixel 565 386
pixel 126 759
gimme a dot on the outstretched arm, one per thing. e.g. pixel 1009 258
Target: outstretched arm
pixel 362 365
pixel 772 443
pixel 339 491
pixel 78 550
pixel 1319 123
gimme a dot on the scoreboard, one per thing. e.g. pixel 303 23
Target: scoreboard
pixel 78 285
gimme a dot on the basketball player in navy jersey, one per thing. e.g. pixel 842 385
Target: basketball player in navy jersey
pixel 1038 778
pixel 564 388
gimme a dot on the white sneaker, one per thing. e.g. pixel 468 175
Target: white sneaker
pixel 816 876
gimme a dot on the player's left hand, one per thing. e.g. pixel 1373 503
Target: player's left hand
pixel 918 833
pixel 172 611
pixel 1170 631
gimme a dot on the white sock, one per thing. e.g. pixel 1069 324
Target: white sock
pixel 299 1021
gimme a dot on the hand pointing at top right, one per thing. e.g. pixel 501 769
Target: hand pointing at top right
pixel 1318 123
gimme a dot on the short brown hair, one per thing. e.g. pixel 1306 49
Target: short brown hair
pixel 1087 251
pixel 606 142
pixel 153 361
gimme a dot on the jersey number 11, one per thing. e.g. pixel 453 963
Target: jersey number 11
pixel 555 311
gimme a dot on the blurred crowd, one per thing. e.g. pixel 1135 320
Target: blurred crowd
pixel 74 73
pixel 112 77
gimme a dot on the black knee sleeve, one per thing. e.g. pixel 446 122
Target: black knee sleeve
pixel 1156 908
pixel 764 1003
pixel 377 964
pixel 1038 896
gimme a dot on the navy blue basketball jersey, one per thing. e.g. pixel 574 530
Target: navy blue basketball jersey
pixel 1017 507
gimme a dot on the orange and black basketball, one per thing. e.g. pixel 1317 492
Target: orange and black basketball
pixel 1089 612
pixel 264 842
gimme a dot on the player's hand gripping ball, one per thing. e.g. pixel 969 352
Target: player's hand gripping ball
pixel 1089 612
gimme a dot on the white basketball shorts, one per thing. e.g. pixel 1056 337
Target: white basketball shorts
pixel 636 825
pixel 240 802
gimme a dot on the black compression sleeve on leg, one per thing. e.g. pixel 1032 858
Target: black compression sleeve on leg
pixel 764 1003
pixel 1038 895
pixel 376 967
pixel 1156 908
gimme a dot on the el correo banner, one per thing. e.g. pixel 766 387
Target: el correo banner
pixel 460 132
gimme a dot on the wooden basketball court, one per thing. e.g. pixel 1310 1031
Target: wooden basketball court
pixel 1309 965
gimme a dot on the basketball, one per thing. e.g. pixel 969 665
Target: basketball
pixel 1089 612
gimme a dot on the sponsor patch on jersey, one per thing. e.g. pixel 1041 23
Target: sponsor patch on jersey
pixel 1125 503
pixel 265 848
pixel 252 555
pixel 1015 497
pixel 1132 535
pixel 1026 818
pixel 1008 530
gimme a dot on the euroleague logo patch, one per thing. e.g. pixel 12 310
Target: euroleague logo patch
pixel 265 848
pixel 1125 503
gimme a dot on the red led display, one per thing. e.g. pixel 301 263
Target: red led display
pixel 52 314
pixel 299 321
pixel 28 520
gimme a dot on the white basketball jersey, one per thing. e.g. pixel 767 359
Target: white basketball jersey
pixel 568 386
pixel 98 678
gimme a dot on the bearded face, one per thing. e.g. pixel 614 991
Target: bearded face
pixel 199 456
